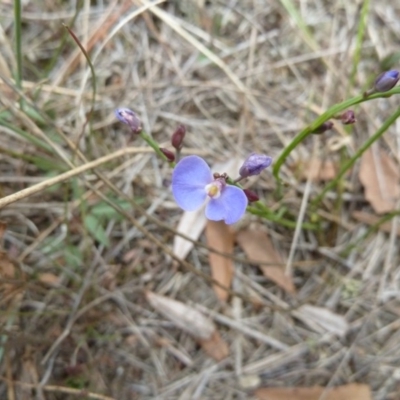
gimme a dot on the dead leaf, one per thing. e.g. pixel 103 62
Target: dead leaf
pixel 317 170
pixel 321 319
pixel 193 223
pixel 380 177
pixel 11 278
pixel 215 347
pixel 220 237
pixel 193 322
pixel 370 219
pixel 352 391
pixel 259 249
pixel 3 227
pixel 49 279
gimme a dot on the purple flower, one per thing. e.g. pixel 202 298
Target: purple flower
pixel 128 117
pixel 386 81
pixel 254 164
pixel 193 184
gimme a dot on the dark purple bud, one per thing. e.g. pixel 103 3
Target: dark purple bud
pixel 254 164
pixel 386 81
pixel 326 126
pixel 348 117
pixel 128 117
pixel 178 136
pixel 251 196
pixel 168 153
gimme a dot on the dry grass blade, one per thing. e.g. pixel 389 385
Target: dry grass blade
pixel 322 319
pixel 22 194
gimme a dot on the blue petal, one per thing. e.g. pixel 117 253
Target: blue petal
pixel 189 179
pixel 230 206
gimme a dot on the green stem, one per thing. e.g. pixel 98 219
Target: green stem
pixel 349 163
pixel 154 145
pixel 336 109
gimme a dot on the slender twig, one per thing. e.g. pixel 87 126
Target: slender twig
pixel 62 389
pixel 18 44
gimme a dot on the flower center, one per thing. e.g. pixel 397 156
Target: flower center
pixel 214 188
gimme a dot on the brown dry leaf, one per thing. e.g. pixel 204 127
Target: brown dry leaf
pixel 3 227
pixel 7 269
pixel 191 321
pixel 317 170
pixel 259 249
pixel 380 177
pixel 215 347
pixel 220 237
pixel 10 278
pixel 370 219
pixel 352 391
pixel 49 279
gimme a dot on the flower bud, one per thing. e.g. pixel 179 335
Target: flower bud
pixel 128 117
pixel 177 137
pixel 326 126
pixel 348 117
pixel 386 81
pixel 251 196
pixel 168 153
pixel 254 164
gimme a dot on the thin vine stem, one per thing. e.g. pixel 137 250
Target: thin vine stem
pixel 331 112
pixel 349 163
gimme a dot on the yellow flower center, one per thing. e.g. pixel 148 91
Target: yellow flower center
pixel 213 190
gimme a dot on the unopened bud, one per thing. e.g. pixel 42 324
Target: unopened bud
pixel 326 126
pixel 128 117
pixel 254 164
pixel 386 81
pixel 178 136
pixel 348 117
pixel 251 196
pixel 168 153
